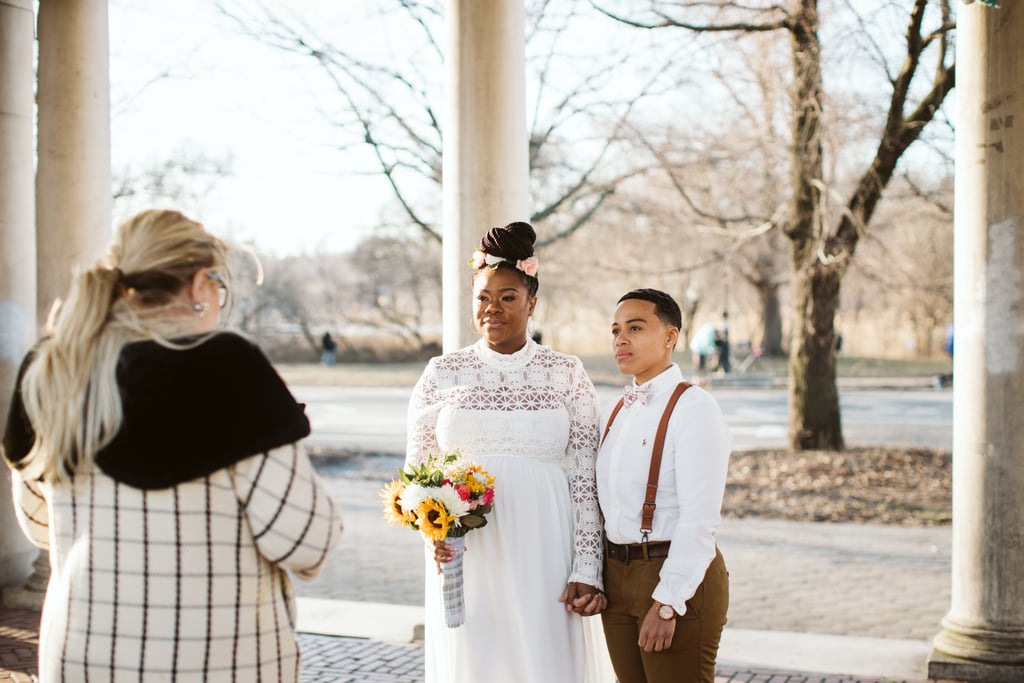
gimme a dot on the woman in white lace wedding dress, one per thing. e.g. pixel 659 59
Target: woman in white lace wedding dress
pixel 528 415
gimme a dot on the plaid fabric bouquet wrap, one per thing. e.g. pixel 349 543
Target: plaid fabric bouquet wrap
pixel 443 498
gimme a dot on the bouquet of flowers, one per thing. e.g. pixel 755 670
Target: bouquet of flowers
pixel 442 498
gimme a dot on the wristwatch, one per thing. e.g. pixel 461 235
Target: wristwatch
pixel 666 612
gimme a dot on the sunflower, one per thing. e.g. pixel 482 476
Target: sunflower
pixel 433 519
pixel 393 512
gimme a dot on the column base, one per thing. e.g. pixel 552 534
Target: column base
pixel 944 667
pixel 976 653
pixel 22 598
pixel 31 594
pixel 981 642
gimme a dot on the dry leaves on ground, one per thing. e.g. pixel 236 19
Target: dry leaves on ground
pixel 908 486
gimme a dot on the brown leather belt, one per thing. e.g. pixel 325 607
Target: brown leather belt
pixel 635 551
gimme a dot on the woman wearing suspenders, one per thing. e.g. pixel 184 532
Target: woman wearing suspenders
pixel 661 472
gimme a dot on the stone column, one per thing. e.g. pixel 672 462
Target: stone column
pixel 73 192
pixel 982 636
pixel 486 168
pixel 17 246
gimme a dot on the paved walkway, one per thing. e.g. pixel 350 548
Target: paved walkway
pixel 841 579
pixel 855 603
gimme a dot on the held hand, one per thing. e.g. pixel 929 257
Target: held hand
pixel 583 599
pixel 442 553
pixel 656 633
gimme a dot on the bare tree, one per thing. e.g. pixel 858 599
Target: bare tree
pixel 399 286
pixel 721 168
pixel 824 230
pixel 183 180
pixel 386 106
pixel 287 298
pixel 388 284
pixel 905 268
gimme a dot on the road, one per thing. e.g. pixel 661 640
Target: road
pixel 372 419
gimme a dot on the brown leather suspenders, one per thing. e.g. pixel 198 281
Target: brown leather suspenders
pixel 647 518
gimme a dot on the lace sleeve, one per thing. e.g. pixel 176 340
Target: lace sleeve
pixel 582 455
pixel 421 433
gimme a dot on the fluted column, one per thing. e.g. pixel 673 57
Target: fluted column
pixel 982 636
pixel 17 245
pixel 73 193
pixel 486 174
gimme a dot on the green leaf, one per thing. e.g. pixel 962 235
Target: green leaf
pixel 473 521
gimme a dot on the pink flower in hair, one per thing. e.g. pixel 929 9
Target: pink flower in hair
pixel 528 265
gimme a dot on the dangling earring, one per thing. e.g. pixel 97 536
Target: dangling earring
pixel 201 308
pixel 530 326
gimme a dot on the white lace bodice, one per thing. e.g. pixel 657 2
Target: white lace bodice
pixel 535 403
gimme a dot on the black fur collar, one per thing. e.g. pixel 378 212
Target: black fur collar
pixel 188 413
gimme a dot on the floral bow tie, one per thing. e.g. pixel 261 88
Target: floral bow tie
pixel 632 393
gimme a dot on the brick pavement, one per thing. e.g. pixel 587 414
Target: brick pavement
pixel 19 645
pixel 331 659
pixel 840 579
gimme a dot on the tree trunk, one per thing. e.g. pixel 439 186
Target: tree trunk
pixel 771 320
pixel 814 419
pixel 813 398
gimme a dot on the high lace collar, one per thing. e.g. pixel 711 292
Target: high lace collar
pixel 506 361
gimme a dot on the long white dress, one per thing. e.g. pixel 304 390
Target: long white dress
pixel 530 419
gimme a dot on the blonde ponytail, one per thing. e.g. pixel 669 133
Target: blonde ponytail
pixel 70 389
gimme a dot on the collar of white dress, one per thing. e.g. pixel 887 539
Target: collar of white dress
pixel 506 361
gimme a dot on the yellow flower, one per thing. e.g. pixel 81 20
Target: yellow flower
pixel 393 512
pixel 433 519
pixel 475 485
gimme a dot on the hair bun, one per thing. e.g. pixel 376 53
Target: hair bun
pixel 512 242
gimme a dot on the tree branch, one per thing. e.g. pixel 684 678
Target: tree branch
pixel 738 26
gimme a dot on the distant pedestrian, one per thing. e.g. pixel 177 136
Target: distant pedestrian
pixel 328 350
pixel 724 363
pixel 946 379
pixel 158 460
pixel 704 346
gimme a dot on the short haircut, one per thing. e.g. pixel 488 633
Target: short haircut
pixel 665 307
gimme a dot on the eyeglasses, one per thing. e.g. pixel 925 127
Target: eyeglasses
pixel 222 289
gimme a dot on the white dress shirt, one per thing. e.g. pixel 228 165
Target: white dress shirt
pixel 694 464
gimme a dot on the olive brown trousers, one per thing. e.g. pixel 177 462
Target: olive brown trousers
pixel 691 657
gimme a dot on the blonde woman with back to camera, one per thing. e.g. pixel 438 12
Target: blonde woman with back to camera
pixel 158 460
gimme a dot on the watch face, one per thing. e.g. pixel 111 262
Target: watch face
pixel 666 612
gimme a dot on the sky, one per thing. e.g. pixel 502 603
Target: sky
pixel 185 81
